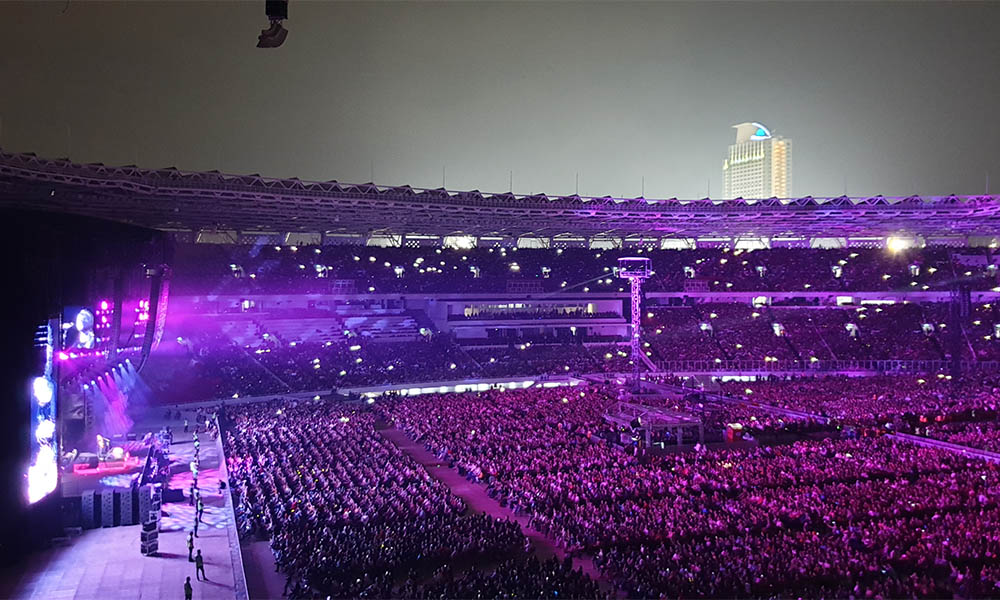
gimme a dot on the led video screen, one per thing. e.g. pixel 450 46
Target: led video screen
pixel 79 329
pixel 42 474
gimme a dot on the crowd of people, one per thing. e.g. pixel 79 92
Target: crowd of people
pixel 733 331
pixel 352 361
pixel 984 435
pixel 524 577
pixel 804 506
pixel 226 370
pixel 865 517
pixel 535 359
pixel 307 269
pixel 794 505
pixel 904 403
pixel 706 334
pixel 350 515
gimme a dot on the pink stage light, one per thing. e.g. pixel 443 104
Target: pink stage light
pixel 104 305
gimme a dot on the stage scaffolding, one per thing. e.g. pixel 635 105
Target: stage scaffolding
pixel 651 420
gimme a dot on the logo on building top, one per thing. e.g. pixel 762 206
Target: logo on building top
pixel 762 133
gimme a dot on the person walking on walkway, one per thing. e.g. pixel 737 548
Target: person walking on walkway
pixel 199 566
pixel 188 590
pixel 201 508
pixel 196 527
pixel 190 546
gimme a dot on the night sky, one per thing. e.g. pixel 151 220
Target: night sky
pixel 891 99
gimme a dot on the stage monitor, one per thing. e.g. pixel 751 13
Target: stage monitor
pixel 41 477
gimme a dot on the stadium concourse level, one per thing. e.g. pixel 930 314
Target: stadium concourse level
pixel 833 512
pixel 349 515
pixel 291 269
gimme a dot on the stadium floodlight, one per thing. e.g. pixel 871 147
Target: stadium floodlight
pixel 275 34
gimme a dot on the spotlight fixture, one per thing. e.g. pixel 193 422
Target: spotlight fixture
pixel 275 34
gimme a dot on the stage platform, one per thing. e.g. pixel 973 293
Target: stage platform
pixel 119 474
pixel 105 564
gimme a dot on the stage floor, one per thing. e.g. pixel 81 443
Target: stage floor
pixel 105 564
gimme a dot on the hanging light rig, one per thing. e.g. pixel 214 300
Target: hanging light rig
pixel 636 270
pixel 275 34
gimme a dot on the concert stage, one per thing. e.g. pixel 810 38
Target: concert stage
pixel 105 563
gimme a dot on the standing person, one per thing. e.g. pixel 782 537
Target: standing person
pixel 201 508
pixel 190 546
pixel 185 425
pixel 188 590
pixel 199 566
pixel 196 526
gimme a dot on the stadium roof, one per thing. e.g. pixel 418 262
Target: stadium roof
pixel 175 200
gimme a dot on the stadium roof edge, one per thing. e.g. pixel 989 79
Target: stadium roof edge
pixel 245 202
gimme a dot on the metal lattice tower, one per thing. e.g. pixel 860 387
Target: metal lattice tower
pixel 636 270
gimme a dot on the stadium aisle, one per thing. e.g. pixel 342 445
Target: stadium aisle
pixel 479 501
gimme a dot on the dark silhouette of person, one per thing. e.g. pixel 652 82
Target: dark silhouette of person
pixel 199 567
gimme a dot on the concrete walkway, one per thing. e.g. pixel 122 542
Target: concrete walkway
pixel 263 581
pixel 479 501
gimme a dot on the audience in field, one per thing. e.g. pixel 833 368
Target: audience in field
pixel 349 515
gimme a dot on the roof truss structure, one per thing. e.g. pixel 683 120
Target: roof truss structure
pixel 174 200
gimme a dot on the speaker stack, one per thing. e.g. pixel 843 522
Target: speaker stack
pixel 150 500
pixel 111 507
pixel 128 508
pixel 108 508
pixel 87 510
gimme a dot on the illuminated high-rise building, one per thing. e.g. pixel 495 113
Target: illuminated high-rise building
pixel 759 165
